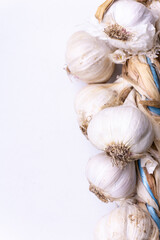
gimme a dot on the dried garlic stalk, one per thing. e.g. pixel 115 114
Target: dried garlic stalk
pixel 138 73
pixel 102 9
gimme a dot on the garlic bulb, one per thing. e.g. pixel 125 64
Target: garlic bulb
pixel 128 26
pixel 128 222
pixel 87 58
pixel 109 182
pixel 137 71
pixel 123 132
pixel 93 98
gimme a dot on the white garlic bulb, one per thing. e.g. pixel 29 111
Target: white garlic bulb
pixel 128 222
pixel 108 182
pixel 128 26
pixel 87 58
pixel 93 98
pixel 123 132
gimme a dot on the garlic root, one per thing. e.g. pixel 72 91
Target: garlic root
pixel 99 193
pixel 120 154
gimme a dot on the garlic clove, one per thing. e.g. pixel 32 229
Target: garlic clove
pixel 88 58
pixel 123 132
pixel 108 182
pixel 128 222
pixel 118 56
pixel 93 98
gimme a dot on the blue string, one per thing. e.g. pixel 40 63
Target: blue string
pixel 154 110
pixel 157 82
pixel 154 73
pixel 154 215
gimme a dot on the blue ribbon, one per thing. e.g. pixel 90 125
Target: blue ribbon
pixel 154 215
pixel 154 110
pixel 154 73
pixel 157 83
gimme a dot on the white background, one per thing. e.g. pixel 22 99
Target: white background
pixel 43 189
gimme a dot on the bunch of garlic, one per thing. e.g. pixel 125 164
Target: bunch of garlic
pixel 87 58
pixel 128 26
pixel 108 182
pixel 129 222
pixel 123 132
pixel 93 98
pixel 122 119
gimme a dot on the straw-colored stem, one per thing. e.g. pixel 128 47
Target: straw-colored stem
pixel 102 9
pixel 151 103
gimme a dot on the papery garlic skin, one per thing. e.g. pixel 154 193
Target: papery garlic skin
pixel 128 26
pixel 128 222
pixel 155 9
pixel 109 182
pixel 157 181
pixel 87 58
pixel 93 98
pixel 122 132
